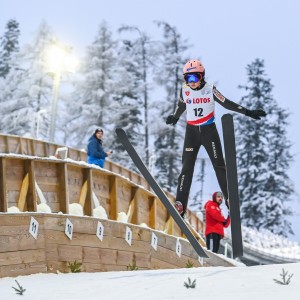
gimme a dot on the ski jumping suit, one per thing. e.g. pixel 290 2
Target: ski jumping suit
pixel 201 130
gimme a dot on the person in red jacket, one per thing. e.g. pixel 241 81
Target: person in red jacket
pixel 215 222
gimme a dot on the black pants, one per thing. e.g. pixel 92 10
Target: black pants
pixel 213 242
pixel 196 136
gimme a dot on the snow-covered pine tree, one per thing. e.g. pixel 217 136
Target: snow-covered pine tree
pixel 143 51
pixel 279 186
pixel 129 102
pixel 168 139
pixel 252 147
pixel 263 183
pixel 28 88
pixel 94 92
pixel 9 45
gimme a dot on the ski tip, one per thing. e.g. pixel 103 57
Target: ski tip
pixel 227 120
pixel 119 130
pixel 227 116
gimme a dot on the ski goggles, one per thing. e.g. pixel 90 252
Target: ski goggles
pixel 193 77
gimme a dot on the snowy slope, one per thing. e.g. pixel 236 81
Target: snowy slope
pixel 246 283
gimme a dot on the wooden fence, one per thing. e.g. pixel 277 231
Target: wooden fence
pixel 31 175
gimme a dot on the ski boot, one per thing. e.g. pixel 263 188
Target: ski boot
pixel 179 207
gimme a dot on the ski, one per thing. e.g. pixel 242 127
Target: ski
pixel 195 233
pixel 232 185
pixel 159 192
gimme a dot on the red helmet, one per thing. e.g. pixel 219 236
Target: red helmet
pixel 193 66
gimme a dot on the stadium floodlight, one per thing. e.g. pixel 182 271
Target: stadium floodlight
pixel 58 59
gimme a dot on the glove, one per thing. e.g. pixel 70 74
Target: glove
pixel 171 120
pixel 224 223
pixel 256 113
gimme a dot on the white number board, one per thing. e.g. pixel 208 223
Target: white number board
pixel 154 241
pixel 201 260
pixel 34 227
pixel 69 229
pixel 178 248
pixel 128 235
pixel 100 231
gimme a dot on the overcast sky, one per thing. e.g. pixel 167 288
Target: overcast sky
pixel 226 35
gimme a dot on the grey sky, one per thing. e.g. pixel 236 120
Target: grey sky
pixel 226 35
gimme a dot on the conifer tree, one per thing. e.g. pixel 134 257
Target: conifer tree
pixel 128 103
pixel 263 156
pixel 28 87
pixel 167 138
pixel 94 92
pixel 9 45
pixel 143 51
pixel 279 187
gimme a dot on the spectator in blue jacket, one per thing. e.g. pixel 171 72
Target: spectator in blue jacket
pixel 96 154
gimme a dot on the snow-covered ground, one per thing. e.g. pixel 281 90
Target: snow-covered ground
pixel 235 283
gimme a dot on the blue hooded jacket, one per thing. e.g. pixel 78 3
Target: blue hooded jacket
pixel 96 154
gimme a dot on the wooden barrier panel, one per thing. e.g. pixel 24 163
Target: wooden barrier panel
pixel 20 252
pixel 61 182
pixel 3 199
pixel 63 188
pixel 53 250
pixel 32 147
pixel 101 186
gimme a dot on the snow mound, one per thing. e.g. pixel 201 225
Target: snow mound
pixel 122 217
pixel 99 212
pixel 268 242
pixel 43 208
pixel 13 209
pixel 75 209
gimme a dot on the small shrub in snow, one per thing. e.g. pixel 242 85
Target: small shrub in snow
pixel 286 279
pixel 190 284
pixel 19 290
pixel 189 264
pixel 75 267
pixel 132 267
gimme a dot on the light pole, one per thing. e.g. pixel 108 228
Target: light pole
pixel 38 116
pixel 59 60
pixel 56 81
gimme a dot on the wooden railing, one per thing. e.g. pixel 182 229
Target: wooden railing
pixel 30 174
pixel 27 164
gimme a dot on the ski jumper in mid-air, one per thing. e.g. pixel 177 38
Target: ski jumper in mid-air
pixel 198 98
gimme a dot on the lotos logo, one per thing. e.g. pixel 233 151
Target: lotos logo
pixel 201 100
pixel 188 100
